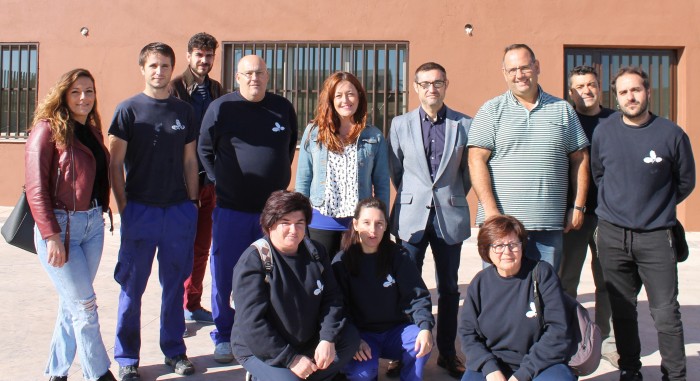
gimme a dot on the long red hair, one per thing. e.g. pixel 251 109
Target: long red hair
pixel 327 118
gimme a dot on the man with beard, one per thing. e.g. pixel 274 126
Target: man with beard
pixel 152 136
pixel 643 165
pixel 196 88
pixel 247 143
pixel 584 92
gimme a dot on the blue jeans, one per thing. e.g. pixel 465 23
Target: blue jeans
pixel 545 245
pixel 559 372
pixel 232 233
pixel 77 326
pixel 447 259
pixel 396 343
pixel 144 229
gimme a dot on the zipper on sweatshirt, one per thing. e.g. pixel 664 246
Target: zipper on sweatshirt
pixel 58 178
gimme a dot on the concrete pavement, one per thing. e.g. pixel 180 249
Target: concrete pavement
pixel 31 303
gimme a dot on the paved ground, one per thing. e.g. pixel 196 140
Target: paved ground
pixel 30 308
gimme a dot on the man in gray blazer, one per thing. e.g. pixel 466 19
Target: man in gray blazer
pixel 428 160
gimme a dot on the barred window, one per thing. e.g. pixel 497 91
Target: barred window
pixel 660 64
pixel 18 88
pixel 298 69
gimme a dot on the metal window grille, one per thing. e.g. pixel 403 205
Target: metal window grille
pixel 660 64
pixel 18 88
pixel 298 69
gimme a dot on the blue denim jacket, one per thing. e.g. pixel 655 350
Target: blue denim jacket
pixel 372 161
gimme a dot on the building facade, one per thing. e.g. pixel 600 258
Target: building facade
pixel 382 42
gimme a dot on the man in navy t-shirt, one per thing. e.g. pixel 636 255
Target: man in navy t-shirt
pixel 246 144
pixel 153 137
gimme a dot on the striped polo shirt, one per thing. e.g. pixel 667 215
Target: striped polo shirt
pixel 529 163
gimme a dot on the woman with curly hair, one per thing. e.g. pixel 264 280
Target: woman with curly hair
pixel 67 184
pixel 342 159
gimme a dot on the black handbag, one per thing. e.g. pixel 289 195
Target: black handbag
pixel 18 229
pixel 680 242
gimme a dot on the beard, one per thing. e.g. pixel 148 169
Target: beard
pixel 630 114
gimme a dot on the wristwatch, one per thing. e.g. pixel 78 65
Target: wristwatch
pixel 581 208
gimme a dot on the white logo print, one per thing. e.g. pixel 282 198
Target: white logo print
pixel 178 125
pixel 319 289
pixel 277 127
pixel 389 281
pixel 652 158
pixel 533 312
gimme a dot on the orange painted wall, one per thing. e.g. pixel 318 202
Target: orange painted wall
pixel 434 29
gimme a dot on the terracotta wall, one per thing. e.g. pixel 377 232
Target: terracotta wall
pixel 435 31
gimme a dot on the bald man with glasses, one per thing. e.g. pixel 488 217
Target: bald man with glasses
pixel 525 147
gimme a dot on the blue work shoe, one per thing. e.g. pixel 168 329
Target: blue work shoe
pixel 200 315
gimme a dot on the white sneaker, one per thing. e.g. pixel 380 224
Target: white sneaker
pixel 223 353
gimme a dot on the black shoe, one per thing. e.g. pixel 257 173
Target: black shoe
pixel 393 368
pixel 129 373
pixel 107 377
pixel 631 375
pixel 453 364
pixel 58 378
pixel 180 364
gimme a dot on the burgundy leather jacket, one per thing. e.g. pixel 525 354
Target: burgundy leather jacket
pixel 59 177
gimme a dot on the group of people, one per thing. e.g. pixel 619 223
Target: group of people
pixel 308 284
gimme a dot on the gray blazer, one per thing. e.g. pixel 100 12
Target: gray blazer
pixel 414 187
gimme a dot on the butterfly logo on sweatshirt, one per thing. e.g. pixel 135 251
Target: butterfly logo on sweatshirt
pixel 277 127
pixel 652 158
pixel 389 281
pixel 533 312
pixel 319 289
pixel 178 125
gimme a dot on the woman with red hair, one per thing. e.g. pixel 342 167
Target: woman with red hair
pixel 342 159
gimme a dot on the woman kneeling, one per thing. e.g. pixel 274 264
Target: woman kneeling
pixel 385 297
pixel 500 328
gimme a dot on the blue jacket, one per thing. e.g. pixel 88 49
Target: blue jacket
pixel 372 161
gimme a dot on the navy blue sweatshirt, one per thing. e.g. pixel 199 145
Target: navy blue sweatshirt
pixel 499 322
pixel 300 306
pixel 247 149
pixel 641 172
pixel 378 304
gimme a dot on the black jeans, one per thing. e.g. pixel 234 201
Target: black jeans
pixel 576 244
pixel 629 259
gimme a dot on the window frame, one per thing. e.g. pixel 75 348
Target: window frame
pixel 594 56
pixel 15 128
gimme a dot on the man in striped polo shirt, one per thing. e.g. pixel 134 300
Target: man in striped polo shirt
pixel 524 147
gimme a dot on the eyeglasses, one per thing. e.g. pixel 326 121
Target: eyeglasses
pixel 500 248
pixel 525 69
pixel 249 74
pixel 436 84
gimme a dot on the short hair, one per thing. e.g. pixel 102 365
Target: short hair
pixel 583 70
pixel 327 118
pixel 156 47
pixel 495 228
pixel 283 202
pixel 428 66
pixel 630 70
pixel 519 46
pixel 203 41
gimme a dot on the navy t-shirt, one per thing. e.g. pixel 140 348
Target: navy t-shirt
pixel 156 131
pixel 247 149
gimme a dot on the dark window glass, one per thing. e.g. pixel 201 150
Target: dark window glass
pixel 659 64
pixel 298 69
